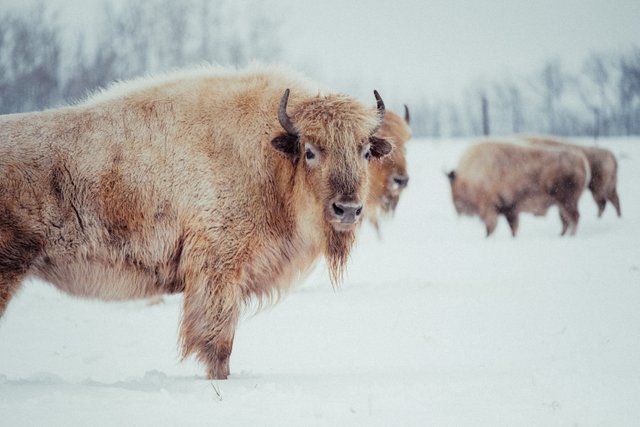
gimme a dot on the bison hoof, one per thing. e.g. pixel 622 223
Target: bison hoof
pixel 220 371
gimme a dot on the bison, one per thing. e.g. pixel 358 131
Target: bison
pixel 389 176
pixel 604 170
pixel 494 178
pixel 223 185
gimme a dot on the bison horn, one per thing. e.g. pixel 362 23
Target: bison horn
pixel 380 104
pixel 407 118
pixel 283 117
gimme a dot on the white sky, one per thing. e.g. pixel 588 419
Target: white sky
pixel 427 47
pixel 440 46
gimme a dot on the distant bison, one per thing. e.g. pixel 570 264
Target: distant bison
pixel 389 176
pixel 222 185
pixel 496 178
pixel 604 170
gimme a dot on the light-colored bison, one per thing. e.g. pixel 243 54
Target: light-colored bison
pixel 222 185
pixel 604 170
pixel 389 176
pixel 495 178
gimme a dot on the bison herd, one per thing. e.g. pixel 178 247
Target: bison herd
pixel 228 185
pixel 531 174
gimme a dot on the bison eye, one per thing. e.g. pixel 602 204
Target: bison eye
pixel 309 155
pixel 366 152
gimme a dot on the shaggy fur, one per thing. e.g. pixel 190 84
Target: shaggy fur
pixel 604 170
pixel 495 178
pixel 389 176
pixel 181 185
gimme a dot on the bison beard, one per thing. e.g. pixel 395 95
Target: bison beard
pixel 338 246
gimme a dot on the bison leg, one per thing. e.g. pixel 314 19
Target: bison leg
pixel 209 322
pixel 18 249
pixel 9 284
pixel 601 202
pixel 490 220
pixel 613 198
pixel 565 222
pixel 569 215
pixel 512 219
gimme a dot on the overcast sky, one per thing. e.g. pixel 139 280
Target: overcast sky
pixel 410 47
pixel 440 46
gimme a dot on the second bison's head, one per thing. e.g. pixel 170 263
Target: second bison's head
pixel 331 141
pixel 389 177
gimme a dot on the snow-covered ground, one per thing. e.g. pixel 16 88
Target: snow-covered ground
pixel 434 325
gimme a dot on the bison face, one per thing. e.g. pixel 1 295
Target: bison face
pixel 332 141
pixel 338 179
pixel 389 176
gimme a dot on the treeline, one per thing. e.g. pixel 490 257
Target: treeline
pixel 602 98
pixel 43 66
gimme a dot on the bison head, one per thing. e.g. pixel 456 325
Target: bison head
pixel 331 141
pixel 389 176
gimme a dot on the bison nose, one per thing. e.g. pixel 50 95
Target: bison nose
pixel 401 180
pixel 346 212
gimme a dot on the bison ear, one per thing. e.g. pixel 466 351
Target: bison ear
pixel 286 144
pixel 379 147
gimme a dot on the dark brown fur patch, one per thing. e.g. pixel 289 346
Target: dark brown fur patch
pixel 287 144
pixel 168 277
pixel 563 188
pixel 56 181
pixel 380 147
pixel 18 245
pixel 120 206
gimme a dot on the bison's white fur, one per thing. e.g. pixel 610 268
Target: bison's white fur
pixel 188 183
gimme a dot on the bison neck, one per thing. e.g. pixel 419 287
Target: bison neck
pixel 288 235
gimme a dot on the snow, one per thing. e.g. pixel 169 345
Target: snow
pixel 434 325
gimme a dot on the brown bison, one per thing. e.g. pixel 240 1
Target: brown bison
pixel 389 176
pixel 604 170
pixel 222 185
pixel 496 178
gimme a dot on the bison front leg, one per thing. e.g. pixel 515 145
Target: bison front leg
pixel 9 284
pixel 602 203
pixel 211 310
pixel 512 219
pixel 490 220
pixel 569 215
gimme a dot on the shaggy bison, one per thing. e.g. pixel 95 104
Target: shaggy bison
pixel 495 178
pixel 222 185
pixel 604 170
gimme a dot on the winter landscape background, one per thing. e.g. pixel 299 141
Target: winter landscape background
pixel 435 324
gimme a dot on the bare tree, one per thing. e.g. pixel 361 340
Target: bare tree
pixel 30 55
pixel 552 88
pixel 629 92
pixel 486 127
pixel 507 107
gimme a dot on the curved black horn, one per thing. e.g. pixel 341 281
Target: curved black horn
pixel 380 104
pixel 407 118
pixel 283 117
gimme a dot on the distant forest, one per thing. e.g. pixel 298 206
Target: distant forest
pixel 41 68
